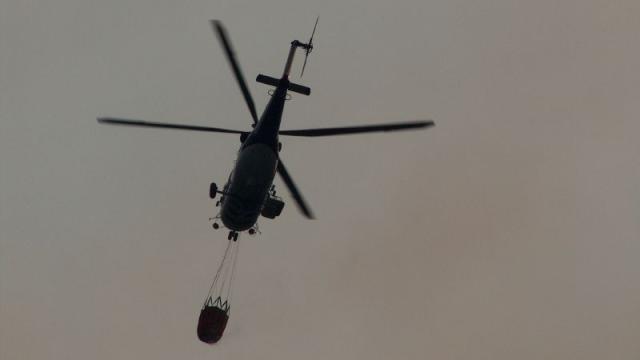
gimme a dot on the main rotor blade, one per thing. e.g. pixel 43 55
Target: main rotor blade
pixel 219 29
pixel 358 129
pixel 116 121
pixel 297 196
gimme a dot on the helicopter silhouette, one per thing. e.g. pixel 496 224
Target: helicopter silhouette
pixel 249 191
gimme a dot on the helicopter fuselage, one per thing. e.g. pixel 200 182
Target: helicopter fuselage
pixel 248 187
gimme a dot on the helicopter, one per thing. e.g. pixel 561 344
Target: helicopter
pixel 249 191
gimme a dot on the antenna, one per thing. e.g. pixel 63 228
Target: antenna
pixel 309 46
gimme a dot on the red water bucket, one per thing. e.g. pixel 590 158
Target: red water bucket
pixel 211 324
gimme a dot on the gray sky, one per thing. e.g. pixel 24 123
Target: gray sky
pixel 511 230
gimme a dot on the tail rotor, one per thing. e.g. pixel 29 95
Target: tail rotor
pixel 309 46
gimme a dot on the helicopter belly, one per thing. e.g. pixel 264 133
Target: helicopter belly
pixel 250 182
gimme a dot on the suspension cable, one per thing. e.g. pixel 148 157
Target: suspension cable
pixel 225 272
pixel 233 270
pixel 217 276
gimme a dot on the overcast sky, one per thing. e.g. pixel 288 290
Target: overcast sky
pixel 511 230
